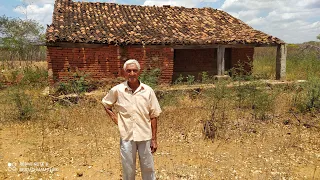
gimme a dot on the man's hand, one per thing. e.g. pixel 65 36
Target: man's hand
pixel 112 115
pixel 153 145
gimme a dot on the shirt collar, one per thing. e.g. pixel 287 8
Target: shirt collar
pixel 127 87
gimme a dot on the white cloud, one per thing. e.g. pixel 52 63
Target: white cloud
pixel 39 1
pixel 185 3
pixel 245 15
pixel 42 14
pixel 309 3
pixel 289 20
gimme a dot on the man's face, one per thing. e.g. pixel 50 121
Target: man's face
pixel 132 73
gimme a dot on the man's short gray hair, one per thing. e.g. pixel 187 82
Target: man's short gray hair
pixel 131 61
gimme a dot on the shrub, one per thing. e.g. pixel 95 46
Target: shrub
pixel 240 73
pixel 190 79
pixel 23 103
pixel 262 102
pixel 214 127
pixel 308 99
pixel 205 77
pixel 80 83
pixel 150 77
pixel 34 76
pixel 179 80
pixel 13 76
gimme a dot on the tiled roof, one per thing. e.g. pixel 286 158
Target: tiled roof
pixel 109 23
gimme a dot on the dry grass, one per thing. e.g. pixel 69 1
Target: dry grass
pixel 301 63
pixel 82 141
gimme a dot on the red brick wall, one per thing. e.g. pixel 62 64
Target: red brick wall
pixel 97 62
pixel 244 55
pixel 106 62
pixel 194 62
pixel 152 57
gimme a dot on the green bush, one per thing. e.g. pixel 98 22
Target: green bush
pixel 190 79
pixel 35 76
pixel 308 99
pixel 13 77
pixel 262 102
pixel 179 80
pixel 80 83
pixel 239 72
pixel 254 96
pixel 205 77
pixel 150 77
pixel 23 103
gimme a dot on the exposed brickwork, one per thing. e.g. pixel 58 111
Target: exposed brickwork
pixel 195 61
pixel 244 55
pixel 97 62
pixel 106 62
pixel 151 57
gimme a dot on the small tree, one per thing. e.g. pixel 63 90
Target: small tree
pixel 318 37
pixel 19 36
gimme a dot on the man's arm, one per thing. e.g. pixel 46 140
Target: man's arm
pixel 112 115
pixel 108 102
pixel 154 144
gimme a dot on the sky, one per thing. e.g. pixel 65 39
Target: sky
pixel 294 21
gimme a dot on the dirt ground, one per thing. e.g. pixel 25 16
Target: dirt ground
pixel 80 141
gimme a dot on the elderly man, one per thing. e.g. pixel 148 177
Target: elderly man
pixel 137 110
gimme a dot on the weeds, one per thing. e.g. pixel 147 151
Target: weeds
pixel 214 127
pixel 150 77
pixel 35 76
pixel 80 83
pixel 308 99
pixel 179 80
pixel 26 76
pixel 24 106
pixel 262 101
pixel 205 77
pixel 190 79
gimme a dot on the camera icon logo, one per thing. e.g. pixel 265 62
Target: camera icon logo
pixel 12 166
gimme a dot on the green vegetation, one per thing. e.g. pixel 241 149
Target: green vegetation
pixel 179 80
pixel 150 77
pixel 20 39
pixel 79 83
pixel 307 98
pixel 24 106
pixel 302 62
pixel 190 79
pixel 205 78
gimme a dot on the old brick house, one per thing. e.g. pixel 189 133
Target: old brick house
pixel 98 37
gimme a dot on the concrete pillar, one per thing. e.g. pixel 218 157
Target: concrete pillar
pixel 281 62
pixel 220 60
